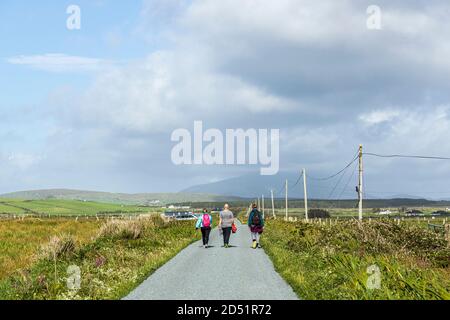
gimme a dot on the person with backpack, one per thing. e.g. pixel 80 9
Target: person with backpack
pixel 226 224
pixel 204 223
pixel 256 225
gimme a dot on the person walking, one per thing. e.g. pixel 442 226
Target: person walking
pixel 226 221
pixel 204 223
pixel 256 224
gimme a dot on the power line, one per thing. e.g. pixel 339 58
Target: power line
pixel 394 192
pixel 337 183
pixel 354 159
pixel 337 173
pixel 404 156
pixel 298 180
pixel 281 189
pixel 348 182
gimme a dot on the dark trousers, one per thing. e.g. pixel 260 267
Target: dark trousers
pixel 205 234
pixel 226 235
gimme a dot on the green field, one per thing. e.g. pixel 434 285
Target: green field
pixel 68 208
pixel 341 212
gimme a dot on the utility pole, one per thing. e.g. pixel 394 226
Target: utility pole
pixel 360 182
pixel 305 194
pixel 273 206
pixel 262 197
pixel 286 199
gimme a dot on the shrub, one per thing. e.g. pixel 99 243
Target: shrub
pixel 57 247
pixel 132 229
pixel 318 213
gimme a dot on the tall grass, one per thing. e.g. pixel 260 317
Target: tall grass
pixel 331 261
pixel 123 229
pixel 122 255
pixel 21 241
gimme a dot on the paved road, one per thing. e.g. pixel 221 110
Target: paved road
pixel 216 273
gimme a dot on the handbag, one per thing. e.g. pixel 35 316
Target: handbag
pixel 233 228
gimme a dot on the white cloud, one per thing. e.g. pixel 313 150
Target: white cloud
pixel 379 116
pixel 167 90
pixel 304 21
pixel 58 62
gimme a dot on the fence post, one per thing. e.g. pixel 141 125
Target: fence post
pixel 447 234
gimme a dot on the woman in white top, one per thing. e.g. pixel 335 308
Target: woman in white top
pixel 226 220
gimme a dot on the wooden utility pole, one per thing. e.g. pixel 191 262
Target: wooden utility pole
pixel 262 197
pixel 305 194
pixel 273 206
pixel 360 182
pixel 286 199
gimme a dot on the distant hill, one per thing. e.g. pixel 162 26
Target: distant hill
pixel 249 186
pixel 254 185
pixel 123 198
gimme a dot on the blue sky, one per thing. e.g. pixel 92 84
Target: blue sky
pixel 33 29
pixel 94 108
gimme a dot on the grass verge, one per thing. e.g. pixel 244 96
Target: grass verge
pixel 123 255
pixel 345 259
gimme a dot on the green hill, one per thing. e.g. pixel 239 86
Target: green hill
pixel 120 198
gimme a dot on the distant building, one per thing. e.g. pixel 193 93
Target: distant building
pixel 385 212
pixel 178 207
pixel 180 215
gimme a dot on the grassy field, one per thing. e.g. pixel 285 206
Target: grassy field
pixel 67 208
pixel 321 261
pixel 331 261
pixel 20 240
pixel 120 257
pixel 338 212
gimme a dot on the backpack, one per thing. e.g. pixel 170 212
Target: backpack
pixel 256 219
pixel 206 221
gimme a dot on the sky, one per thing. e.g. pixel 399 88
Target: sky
pixel 94 108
